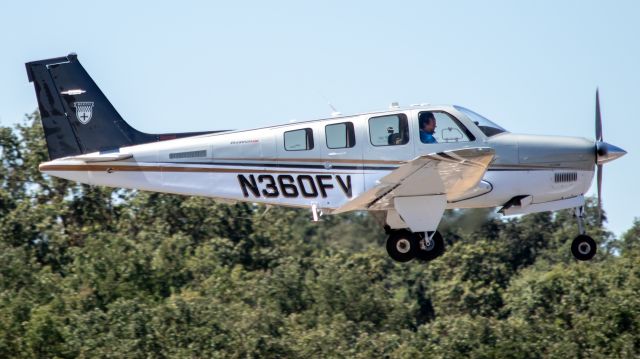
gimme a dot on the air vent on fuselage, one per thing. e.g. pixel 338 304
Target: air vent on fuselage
pixel 188 154
pixel 563 177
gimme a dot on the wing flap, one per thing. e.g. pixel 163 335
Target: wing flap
pixel 451 173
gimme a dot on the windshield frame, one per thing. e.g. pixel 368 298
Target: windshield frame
pixel 486 126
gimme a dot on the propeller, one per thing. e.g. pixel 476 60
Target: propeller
pixel 598 142
pixel 598 117
pixel 605 152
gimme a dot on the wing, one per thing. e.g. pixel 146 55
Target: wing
pixel 450 173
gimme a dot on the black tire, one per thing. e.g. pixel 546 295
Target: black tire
pixel 583 247
pixel 432 252
pixel 400 246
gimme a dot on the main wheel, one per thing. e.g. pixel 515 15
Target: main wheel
pixel 583 247
pixel 401 246
pixel 430 251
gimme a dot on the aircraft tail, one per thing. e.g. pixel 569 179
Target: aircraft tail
pixel 77 117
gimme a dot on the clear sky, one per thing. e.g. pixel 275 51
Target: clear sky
pixel 532 67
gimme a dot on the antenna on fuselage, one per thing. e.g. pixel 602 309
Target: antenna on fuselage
pixel 334 112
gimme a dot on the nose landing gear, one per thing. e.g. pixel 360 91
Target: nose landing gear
pixel 583 247
pixel 403 245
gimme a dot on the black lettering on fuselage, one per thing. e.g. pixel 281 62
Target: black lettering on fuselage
pixel 323 186
pixel 251 184
pixel 311 191
pixel 288 189
pixel 309 186
pixel 346 187
pixel 270 189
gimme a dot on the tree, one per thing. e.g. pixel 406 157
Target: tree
pixel 97 272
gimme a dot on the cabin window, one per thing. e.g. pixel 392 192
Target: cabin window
pixel 389 130
pixel 298 140
pixel 340 135
pixel 440 127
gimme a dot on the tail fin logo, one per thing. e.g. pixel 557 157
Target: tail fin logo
pixel 84 110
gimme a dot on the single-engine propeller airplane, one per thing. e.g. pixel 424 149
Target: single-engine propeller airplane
pixel 403 165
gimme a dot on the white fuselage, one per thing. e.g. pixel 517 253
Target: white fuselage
pixel 255 166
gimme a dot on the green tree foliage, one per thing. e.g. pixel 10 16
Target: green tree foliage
pixel 94 272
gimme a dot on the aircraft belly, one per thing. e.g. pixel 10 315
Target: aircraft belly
pixel 540 184
pixel 283 186
pixel 302 187
pixel 146 181
pixel 78 176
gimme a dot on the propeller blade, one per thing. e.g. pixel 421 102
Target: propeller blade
pixel 600 193
pixel 598 118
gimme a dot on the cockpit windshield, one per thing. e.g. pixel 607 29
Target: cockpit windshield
pixel 486 126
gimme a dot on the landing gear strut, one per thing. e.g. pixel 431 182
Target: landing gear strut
pixel 403 245
pixel 431 245
pixel 583 247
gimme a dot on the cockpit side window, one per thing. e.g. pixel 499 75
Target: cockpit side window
pixel 389 130
pixel 440 127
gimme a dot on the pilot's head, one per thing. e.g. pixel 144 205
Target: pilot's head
pixel 427 122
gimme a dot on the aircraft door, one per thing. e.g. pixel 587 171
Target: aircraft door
pixel 386 144
pixel 342 146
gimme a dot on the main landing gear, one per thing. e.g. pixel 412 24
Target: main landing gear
pixel 583 247
pixel 403 245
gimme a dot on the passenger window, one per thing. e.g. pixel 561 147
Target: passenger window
pixel 440 127
pixel 298 140
pixel 340 135
pixel 389 130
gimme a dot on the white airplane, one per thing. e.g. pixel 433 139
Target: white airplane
pixel 403 165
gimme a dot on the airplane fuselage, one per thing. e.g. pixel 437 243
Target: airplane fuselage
pixel 260 166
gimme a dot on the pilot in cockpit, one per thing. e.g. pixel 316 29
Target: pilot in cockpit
pixel 427 123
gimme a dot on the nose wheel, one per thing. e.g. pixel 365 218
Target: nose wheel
pixel 403 245
pixel 583 247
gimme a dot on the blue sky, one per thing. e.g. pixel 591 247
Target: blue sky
pixel 532 67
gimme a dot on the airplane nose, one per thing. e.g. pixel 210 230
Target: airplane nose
pixel 607 152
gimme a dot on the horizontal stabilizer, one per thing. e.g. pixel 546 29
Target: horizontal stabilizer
pixel 107 157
